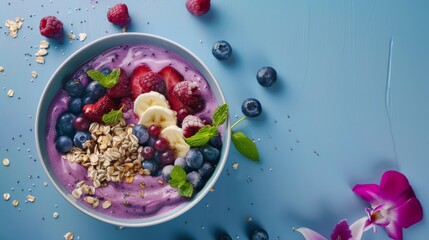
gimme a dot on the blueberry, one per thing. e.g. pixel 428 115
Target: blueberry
pixel 210 154
pixel 106 71
pixel 166 171
pixel 150 165
pixel 87 100
pixel 80 138
pixel 194 159
pixel 182 163
pixel 195 179
pixel 216 141
pixel 266 76
pixel 221 50
pixel 224 236
pixel 258 234
pixel 65 123
pixel 95 90
pixel 251 107
pixel 141 133
pixel 75 88
pixel 206 170
pixel 63 144
pixel 75 105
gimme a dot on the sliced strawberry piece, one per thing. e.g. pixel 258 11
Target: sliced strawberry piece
pixel 191 124
pixel 139 71
pixel 172 77
pixel 94 112
pixel 122 87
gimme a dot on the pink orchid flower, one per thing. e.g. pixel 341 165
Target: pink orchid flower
pixel 393 202
pixel 342 231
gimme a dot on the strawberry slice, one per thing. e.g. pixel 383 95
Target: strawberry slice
pixel 172 77
pixel 122 88
pixel 94 112
pixel 138 72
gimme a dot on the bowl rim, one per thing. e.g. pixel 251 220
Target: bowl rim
pixel 170 214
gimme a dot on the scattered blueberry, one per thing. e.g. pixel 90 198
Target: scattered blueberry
pixel 166 171
pixel 206 170
pixel 80 138
pixel 210 154
pixel 151 141
pixel 216 141
pixel 106 71
pixel 266 76
pixel 224 236
pixel 258 234
pixel 87 100
pixel 75 105
pixel 221 50
pixel 251 107
pixel 195 179
pixel 194 159
pixel 65 123
pixel 95 90
pixel 74 87
pixel 182 163
pixel 141 133
pixel 63 144
pixel 150 165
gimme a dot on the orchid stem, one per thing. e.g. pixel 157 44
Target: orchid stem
pixel 238 121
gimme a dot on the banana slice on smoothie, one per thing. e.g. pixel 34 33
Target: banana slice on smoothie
pixel 158 115
pixel 146 100
pixel 174 135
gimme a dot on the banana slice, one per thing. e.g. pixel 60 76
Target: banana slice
pixel 174 135
pixel 145 100
pixel 157 115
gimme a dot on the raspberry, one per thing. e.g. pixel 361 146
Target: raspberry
pixel 118 15
pixel 122 88
pixel 198 7
pixel 189 94
pixel 190 125
pixel 152 81
pixel 51 27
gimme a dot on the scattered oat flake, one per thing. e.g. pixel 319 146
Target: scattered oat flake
pixel 124 28
pixel 10 93
pixel 235 166
pixel 71 36
pixel 44 44
pixel 161 182
pixel 212 189
pixel 15 202
pixel 6 161
pixel 82 36
pixel 41 52
pixel 142 193
pixel 107 204
pixel 55 215
pixel 6 196
pixel 14 26
pixel 69 236
pixel 142 185
pixel 1 68
pixel 31 198
pixel 40 59
pixel 45 184
pixel 33 74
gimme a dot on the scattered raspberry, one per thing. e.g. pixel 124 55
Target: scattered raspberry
pixel 190 125
pixel 118 15
pixel 51 27
pixel 138 72
pixel 122 88
pixel 183 112
pixel 94 112
pixel 189 94
pixel 198 7
pixel 152 81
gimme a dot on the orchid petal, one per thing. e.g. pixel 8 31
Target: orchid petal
pixel 393 185
pixel 368 192
pixel 394 231
pixel 358 227
pixel 309 234
pixel 409 213
pixel 341 231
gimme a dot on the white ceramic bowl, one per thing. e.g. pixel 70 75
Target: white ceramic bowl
pixel 70 65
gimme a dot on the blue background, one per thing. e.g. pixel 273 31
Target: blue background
pixel 338 115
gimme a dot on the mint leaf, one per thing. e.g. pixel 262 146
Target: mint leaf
pixel 178 173
pixel 245 146
pixel 95 75
pixel 112 117
pixel 220 114
pixel 175 183
pixel 202 137
pixel 108 81
pixel 186 190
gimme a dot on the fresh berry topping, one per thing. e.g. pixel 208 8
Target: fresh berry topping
pixel 167 157
pixel 122 88
pixel 182 163
pixel 184 112
pixel 138 72
pixel 141 133
pixel 206 170
pixel 195 179
pixel 210 154
pixel 75 105
pixel 172 77
pixel 166 172
pixel 206 121
pixel 154 130
pixel 65 123
pixel 221 50
pixel 189 94
pixel 148 152
pixel 258 234
pixel 194 159
pixel 94 90
pixel 191 124
pixel 118 15
pixel 106 71
pixel 150 165
pixel 126 104
pixel 63 144
pixel 266 76
pixel 160 144
pixel 80 123
pixel 198 7
pixel 51 27
pixel 74 88
pixel 80 138
pixel 216 141
pixel 87 100
pixel 94 112
pixel 152 81
pixel 251 107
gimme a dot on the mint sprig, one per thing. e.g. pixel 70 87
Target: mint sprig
pixel 202 137
pixel 178 180
pixel 220 115
pixel 245 145
pixel 112 117
pixel 108 81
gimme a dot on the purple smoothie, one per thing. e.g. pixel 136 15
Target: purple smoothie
pixel 125 197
